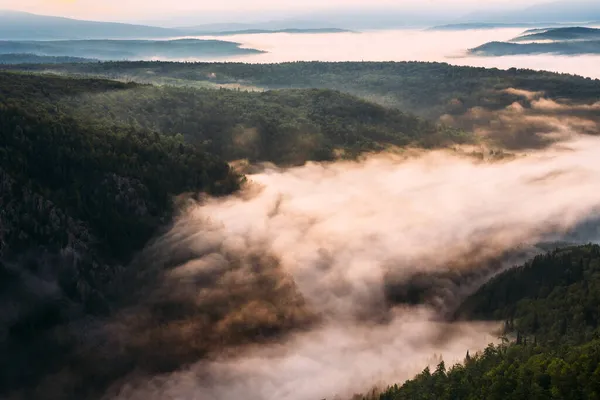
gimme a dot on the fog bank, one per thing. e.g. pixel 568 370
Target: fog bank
pixel 406 45
pixel 322 280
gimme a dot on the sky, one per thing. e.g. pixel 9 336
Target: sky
pixel 138 10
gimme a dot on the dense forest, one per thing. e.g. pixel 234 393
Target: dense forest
pixel 551 346
pixel 77 201
pixel 285 127
pixel 428 89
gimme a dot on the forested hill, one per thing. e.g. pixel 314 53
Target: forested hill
pixel 551 309
pixel 563 33
pixel 285 127
pixel 428 89
pixel 68 183
pixel 117 179
pixel 77 200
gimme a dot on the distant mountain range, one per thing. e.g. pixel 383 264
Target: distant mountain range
pixel 552 13
pixel 487 25
pixel 259 31
pixel 25 26
pixel 364 19
pixel 260 27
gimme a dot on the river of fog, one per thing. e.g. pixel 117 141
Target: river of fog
pixel 332 256
pixel 404 45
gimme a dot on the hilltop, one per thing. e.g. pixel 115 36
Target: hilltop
pixel 560 34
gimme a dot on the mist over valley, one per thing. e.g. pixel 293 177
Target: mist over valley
pixel 315 38
pixel 294 202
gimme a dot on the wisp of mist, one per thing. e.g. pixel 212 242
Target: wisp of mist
pixel 378 253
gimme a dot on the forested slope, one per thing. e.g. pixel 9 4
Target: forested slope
pixel 285 127
pixel 76 202
pixel 103 175
pixel 552 351
pixel 429 89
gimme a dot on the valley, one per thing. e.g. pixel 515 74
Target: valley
pixel 97 169
pixel 269 202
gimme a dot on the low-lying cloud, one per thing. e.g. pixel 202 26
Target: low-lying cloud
pixel 533 121
pixel 320 281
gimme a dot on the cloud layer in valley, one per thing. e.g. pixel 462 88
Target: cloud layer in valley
pixel 407 45
pixel 531 121
pixel 325 279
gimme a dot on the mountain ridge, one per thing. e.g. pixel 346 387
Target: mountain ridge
pixel 17 25
pixel 566 33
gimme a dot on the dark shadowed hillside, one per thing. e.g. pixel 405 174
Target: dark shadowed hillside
pixel 77 201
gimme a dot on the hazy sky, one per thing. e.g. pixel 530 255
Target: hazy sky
pixel 143 9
